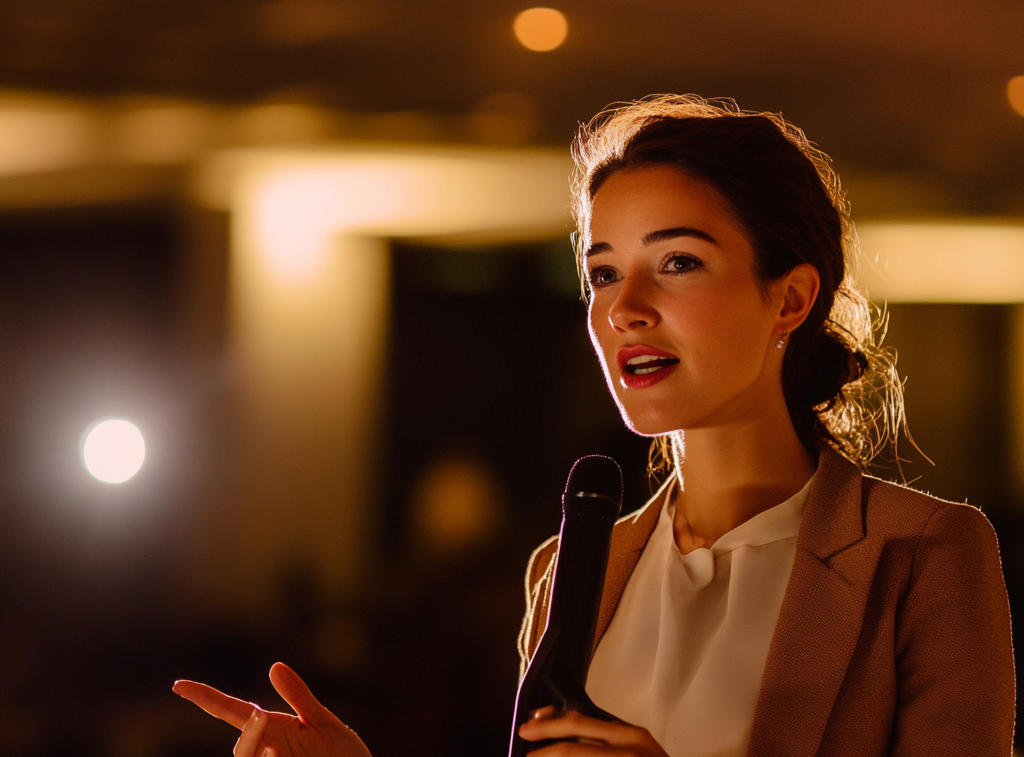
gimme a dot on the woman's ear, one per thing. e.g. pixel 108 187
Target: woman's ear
pixel 795 296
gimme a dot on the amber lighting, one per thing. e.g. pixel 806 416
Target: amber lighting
pixel 164 132
pixel 291 206
pixel 541 29
pixel 1015 93
pixel 956 261
pixel 40 133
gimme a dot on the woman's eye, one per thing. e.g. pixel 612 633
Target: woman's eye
pixel 600 277
pixel 681 264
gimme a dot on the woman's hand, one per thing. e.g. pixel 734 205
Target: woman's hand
pixel 596 738
pixel 315 732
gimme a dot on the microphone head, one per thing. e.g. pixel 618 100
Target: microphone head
pixel 595 476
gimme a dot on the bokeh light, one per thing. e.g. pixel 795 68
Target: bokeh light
pixel 1015 93
pixel 923 262
pixel 113 451
pixel 541 29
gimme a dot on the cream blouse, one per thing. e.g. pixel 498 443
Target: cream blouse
pixel 686 648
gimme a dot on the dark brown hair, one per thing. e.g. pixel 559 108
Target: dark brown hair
pixel 841 387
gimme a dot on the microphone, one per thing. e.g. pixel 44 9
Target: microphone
pixel 557 674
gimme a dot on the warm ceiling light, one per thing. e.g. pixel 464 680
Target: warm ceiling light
pixel 1015 93
pixel 113 451
pixel 292 206
pixel 541 29
pixel 943 262
pixel 45 134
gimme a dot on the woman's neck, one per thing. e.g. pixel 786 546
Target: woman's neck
pixel 727 475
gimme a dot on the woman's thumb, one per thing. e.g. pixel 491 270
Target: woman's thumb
pixel 295 692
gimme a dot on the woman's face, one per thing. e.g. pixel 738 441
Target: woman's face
pixel 684 333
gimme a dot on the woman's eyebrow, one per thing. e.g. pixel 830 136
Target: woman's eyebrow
pixel 663 235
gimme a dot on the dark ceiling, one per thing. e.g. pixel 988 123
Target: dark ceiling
pixel 902 94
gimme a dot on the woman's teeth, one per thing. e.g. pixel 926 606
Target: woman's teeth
pixel 643 364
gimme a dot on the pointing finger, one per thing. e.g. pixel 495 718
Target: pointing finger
pixel 231 710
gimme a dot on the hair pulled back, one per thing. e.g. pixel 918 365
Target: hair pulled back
pixel 840 386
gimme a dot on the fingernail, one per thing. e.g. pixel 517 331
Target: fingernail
pixel 267 752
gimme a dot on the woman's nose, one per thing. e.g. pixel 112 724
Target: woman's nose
pixel 633 307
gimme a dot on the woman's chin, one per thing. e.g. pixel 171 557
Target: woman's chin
pixel 643 424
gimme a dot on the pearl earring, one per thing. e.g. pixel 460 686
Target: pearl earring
pixel 782 341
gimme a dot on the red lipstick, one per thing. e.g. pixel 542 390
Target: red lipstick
pixel 641 365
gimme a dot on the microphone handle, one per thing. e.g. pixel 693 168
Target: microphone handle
pixel 557 674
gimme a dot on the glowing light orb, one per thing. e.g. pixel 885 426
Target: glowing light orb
pixel 541 29
pixel 113 451
pixel 1015 93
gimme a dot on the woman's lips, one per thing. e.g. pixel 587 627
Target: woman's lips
pixel 644 380
pixel 641 366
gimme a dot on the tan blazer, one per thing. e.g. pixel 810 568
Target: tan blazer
pixel 894 633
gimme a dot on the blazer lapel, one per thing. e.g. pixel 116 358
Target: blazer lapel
pixel 821 615
pixel 628 541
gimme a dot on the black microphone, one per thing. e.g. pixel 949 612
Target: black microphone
pixel 557 674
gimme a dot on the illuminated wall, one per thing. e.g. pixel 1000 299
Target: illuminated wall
pixel 309 305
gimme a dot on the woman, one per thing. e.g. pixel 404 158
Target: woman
pixel 856 617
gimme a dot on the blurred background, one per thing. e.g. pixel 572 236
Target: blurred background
pixel 316 251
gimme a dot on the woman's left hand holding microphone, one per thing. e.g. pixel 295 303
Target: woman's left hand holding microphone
pixel 587 737
pixel 313 731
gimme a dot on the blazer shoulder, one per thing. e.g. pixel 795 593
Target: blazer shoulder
pixel 896 510
pixel 538 581
pixel 540 561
